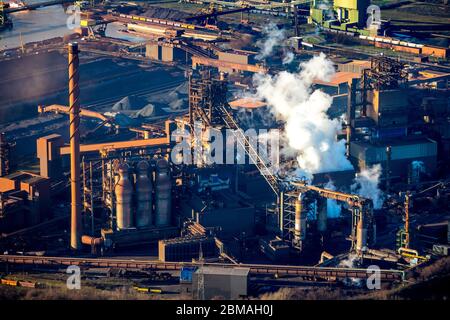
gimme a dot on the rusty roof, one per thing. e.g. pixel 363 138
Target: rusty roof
pixel 248 103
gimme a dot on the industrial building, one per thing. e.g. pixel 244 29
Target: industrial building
pixel 25 199
pixel 164 53
pixel 350 15
pixel 137 188
pixel 227 283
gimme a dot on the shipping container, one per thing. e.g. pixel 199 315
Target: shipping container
pixel 186 274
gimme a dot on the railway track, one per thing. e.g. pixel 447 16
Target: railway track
pixel 365 55
pixel 129 264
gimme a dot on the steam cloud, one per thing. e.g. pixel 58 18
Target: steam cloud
pixel 273 38
pixel 366 185
pixel 310 135
pixel 308 129
pixel 288 58
pixel 333 208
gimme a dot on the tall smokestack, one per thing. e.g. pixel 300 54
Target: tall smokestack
pixel 74 111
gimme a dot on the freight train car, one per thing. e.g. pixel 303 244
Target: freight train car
pixel 406 46
pixel 18 283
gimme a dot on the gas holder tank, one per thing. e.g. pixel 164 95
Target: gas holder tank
pixel 163 194
pixel 144 189
pixel 124 195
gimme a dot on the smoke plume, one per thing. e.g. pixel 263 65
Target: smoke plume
pixel 366 185
pixel 308 129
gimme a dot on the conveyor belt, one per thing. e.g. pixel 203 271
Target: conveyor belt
pixel 306 271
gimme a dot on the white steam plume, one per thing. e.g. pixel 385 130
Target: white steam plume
pixel 308 129
pixel 288 57
pixel 366 185
pixel 273 37
pixel 333 208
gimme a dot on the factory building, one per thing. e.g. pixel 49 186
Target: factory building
pixel 354 66
pixel 388 108
pixel 48 153
pixel 403 154
pixel 391 128
pixel 348 15
pixel 216 282
pixel 242 57
pixel 25 200
pixel 222 210
pixel 337 85
pixel 163 53
pixel 12 212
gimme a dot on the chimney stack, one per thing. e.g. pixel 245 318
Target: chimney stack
pixel 74 111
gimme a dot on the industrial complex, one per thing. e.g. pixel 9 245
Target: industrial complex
pixel 222 149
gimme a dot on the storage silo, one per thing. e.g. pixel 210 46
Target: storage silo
pixel 163 194
pixel 144 190
pixel 124 194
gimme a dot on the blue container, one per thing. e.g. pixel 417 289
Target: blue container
pixel 186 274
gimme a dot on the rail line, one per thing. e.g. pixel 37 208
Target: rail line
pixel 365 55
pixel 305 271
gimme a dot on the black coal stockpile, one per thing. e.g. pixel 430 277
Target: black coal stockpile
pixel 164 13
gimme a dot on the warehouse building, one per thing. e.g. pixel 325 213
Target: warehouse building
pixel 217 282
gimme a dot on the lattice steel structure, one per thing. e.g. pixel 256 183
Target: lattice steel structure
pixel 385 73
pixel 206 95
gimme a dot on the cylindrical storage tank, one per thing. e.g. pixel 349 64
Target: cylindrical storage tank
pixel 124 195
pixel 144 190
pixel 163 194
pixel 322 215
pixel 361 235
